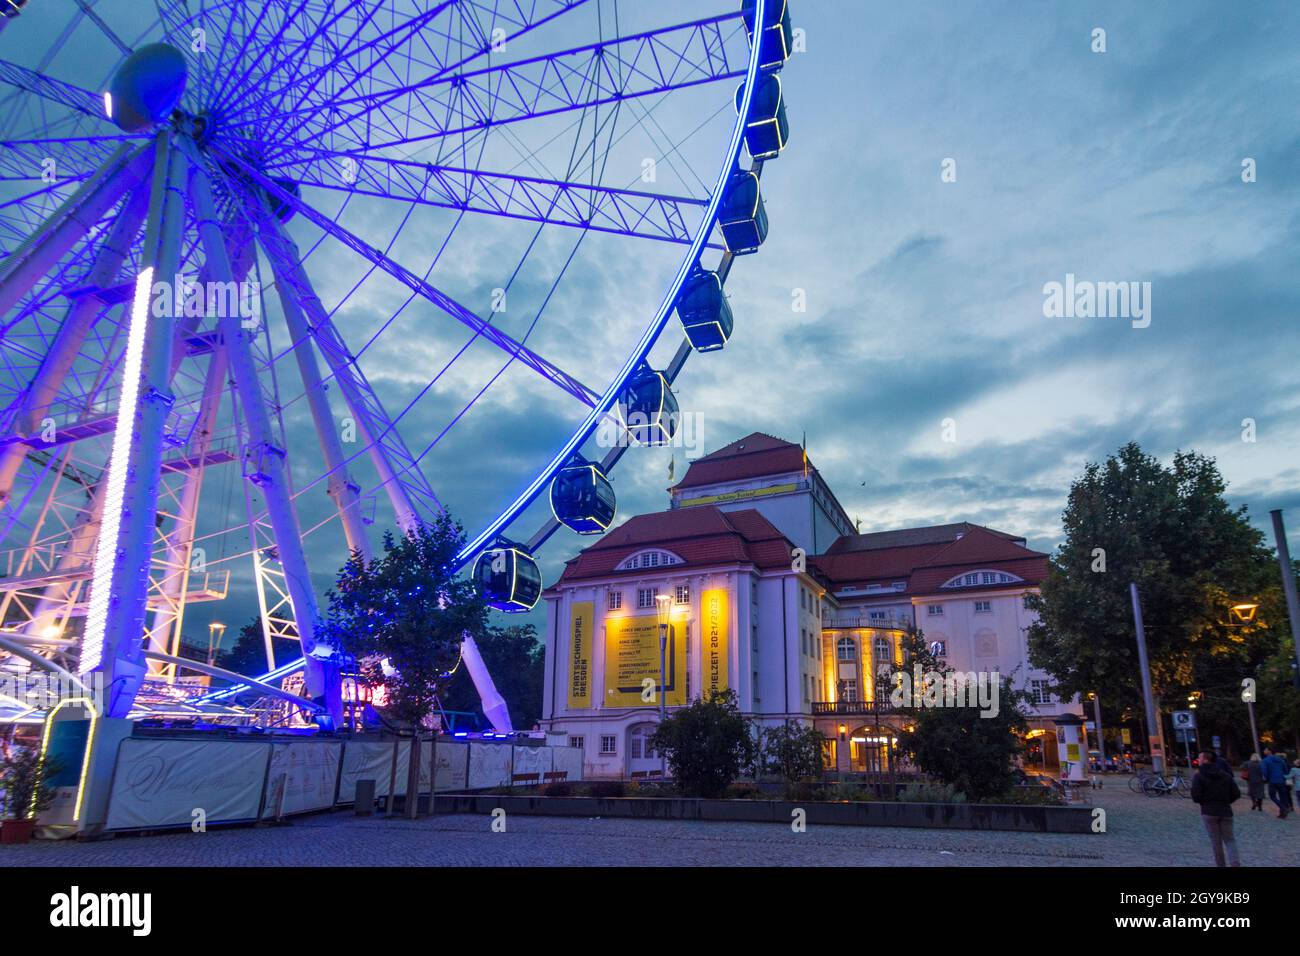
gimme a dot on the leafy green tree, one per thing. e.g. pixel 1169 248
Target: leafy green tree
pixel 24 782
pixel 402 616
pixel 967 748
pixel 1170 530
pixel 793 752
pixel 516 659
pixel 708 744
pixel 248 654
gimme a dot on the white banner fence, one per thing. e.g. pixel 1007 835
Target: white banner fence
pixel 164 782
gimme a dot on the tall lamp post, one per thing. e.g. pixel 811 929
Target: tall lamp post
pixel 665 613
pixel 1155 739
pixel 1096 717
pixel 1244 613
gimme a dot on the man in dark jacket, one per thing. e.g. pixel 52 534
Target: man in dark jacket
pixel 1275 770
pixel 1215 790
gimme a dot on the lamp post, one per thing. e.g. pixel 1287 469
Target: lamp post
pixel 664 612
pixel 1244 612
pixel 1155 739
pixel 1096 717
pixel 216 630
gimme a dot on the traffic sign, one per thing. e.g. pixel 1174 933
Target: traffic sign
pixel 1184 719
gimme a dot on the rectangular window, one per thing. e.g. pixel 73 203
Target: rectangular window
pixel 578 742
pixel 939 648
pixel 608 744
pixel 1038 692
pixel 990 578
pixel 877 615
pixel 805 687
pixel 645 597
pixel 753 638
pixel 615 600
pixel 983 607
pixel 934 610
pixel 754 689
pixel 682 594
pixel 634 747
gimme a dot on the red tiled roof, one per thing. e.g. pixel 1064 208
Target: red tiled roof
pixel 701 537
pixel 932 534
pixel 753 456
pixel 927 567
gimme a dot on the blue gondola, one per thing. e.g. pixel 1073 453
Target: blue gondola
pixel 778 34
pixel 582 499
pixel 766 130
pixel 510 578
pixel 742 217
pixel 704 311
pixel 648 408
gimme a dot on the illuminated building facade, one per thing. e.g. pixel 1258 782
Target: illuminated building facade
pixel 797 636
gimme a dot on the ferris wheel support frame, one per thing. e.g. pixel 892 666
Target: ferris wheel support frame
pixel 271 475
pixel 80 316
pixel 115 615
pixel 71 222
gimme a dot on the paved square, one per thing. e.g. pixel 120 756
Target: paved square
pixel 1141 831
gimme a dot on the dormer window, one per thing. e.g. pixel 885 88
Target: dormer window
pixel 983 579
pixel 649 559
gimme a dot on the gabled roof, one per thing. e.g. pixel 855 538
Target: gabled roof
pixel 925 564
pixel 754 456
pixel 701 537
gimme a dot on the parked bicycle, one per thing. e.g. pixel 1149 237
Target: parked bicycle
pixel 1155 785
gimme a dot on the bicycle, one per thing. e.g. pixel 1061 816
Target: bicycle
pixel 1156 785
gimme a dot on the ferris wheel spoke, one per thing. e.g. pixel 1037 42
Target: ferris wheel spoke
pixel 446 303
pixel 643 64
pixel 640 215
pixel 55 91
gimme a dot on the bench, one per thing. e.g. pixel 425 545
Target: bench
pixel 525 778
pixel 555 776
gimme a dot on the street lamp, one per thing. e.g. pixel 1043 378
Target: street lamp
pixel 665 614
pixel 216 630
pixel 1096 716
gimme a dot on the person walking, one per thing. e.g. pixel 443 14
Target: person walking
pixel 1275 771
pixel 1253 773
pixel 1293 777
pixel 1214 790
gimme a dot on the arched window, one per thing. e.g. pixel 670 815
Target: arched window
pixel 846 649
pixel 882 652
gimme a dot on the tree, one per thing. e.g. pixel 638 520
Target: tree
pixel 402 617
pixel 793 752
pixel 248 654
pixel 967 747
pixel 1170 530
pixel 516 659
pixel 708 744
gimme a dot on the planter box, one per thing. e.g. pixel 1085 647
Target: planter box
pixel 949 816
pixel 16 831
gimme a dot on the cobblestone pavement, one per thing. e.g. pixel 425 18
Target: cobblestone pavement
pixel 1141 831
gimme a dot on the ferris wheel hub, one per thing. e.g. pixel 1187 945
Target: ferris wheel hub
pixel 147 87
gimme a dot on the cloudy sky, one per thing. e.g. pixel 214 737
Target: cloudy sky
pixel 924 292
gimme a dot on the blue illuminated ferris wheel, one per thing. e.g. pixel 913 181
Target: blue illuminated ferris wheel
pixel 231 227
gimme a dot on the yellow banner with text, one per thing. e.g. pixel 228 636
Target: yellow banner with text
pixel 714 621
pixel 581 617
pixel 632 662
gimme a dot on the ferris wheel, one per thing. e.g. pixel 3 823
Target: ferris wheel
pixel 238 226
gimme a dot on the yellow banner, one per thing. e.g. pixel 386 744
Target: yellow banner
pixel 737 495
pixel 581 616
pixel 632 662
pixel 714 639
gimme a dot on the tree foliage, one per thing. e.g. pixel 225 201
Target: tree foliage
pixel 402 616
pixel 1170 530
pixel 793 751
pixel 969 749
pixel 708 744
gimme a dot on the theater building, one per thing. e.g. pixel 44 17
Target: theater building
pixel 762 586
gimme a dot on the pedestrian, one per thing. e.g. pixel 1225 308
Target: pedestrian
pixel 1214 790
pixel 1253 774
pixel 1293 778
pixel 1275 771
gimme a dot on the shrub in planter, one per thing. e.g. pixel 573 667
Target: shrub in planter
pixel 744 791
pixel 558 788
pixel 930 793
pixel 23 776
pixel 606 788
